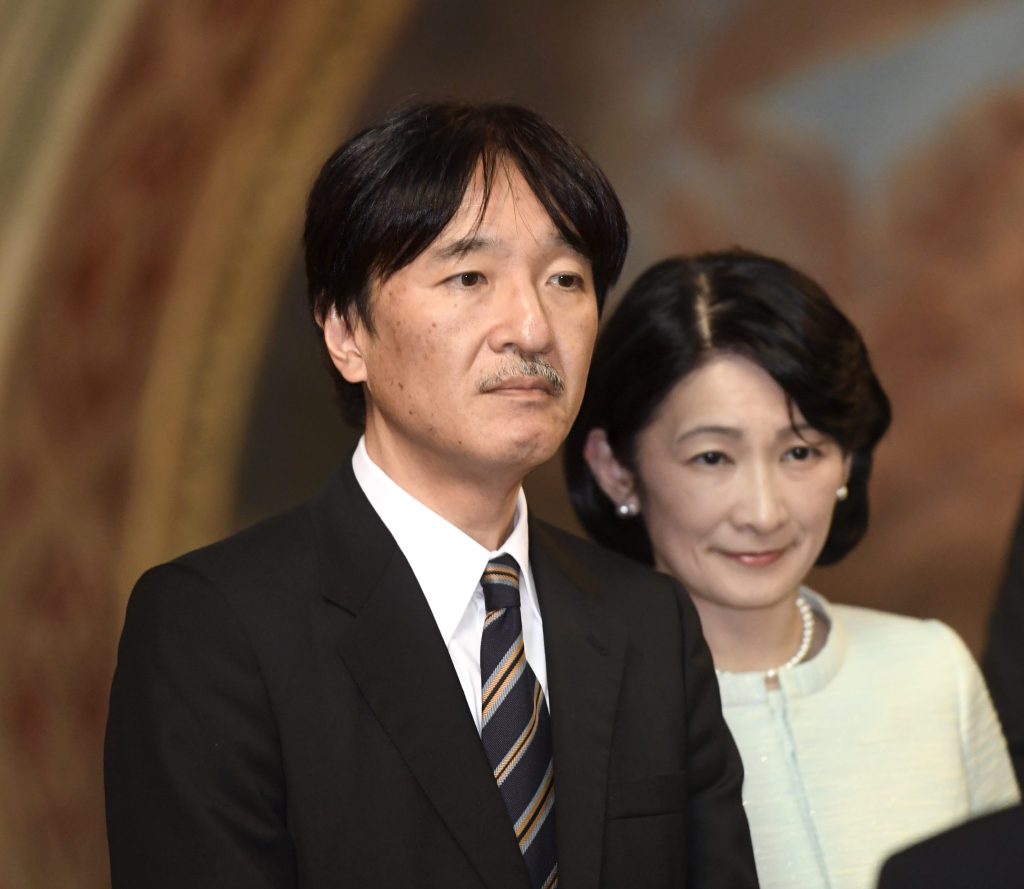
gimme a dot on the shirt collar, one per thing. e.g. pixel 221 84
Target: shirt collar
pixel 805 678
pixel 447 562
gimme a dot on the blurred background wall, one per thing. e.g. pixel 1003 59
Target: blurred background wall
pixel 159 383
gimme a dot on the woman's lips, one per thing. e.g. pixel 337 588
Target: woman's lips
pixel 757 559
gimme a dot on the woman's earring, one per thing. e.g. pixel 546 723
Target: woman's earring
pixel 627 509
pixel 842 492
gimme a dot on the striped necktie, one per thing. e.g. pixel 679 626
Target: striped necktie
pixel 516 728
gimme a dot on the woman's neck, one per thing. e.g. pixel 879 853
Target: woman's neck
pixel 744 640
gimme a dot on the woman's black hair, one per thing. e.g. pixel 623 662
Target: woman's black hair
pixel 683 310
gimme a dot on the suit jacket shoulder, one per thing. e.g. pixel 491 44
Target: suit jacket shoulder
pixel 984 852
pixel 1003 660
pixel 285 712
pixel 676 752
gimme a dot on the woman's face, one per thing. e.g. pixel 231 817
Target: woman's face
pixel 737 502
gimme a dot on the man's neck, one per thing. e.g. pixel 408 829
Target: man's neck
pixel 482 505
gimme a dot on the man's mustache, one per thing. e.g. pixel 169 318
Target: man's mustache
pixel 524 367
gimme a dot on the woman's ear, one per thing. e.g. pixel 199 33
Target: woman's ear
pixel 617 482
pixel 342 339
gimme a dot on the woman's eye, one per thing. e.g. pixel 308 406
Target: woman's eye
pixel 709 458
pixel 801 453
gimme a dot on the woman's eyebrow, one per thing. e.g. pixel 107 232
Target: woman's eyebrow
pixel 728 431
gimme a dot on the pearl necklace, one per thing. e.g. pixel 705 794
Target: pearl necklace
pixel 806 637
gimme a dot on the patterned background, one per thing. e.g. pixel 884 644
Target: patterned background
pixel 158 382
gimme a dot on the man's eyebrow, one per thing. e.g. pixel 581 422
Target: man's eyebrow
pixel 560 240
pixel 472 243
pixel 464 246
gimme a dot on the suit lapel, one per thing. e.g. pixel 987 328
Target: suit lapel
pixel 396 656
pixel 585 656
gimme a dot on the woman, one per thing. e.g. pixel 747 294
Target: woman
pixel 726 438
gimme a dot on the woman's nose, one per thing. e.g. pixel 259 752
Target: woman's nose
pixel 760 502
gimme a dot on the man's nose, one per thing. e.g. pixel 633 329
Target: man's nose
pixel 523 320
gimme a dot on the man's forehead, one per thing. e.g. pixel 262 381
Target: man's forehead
pixel 474 226
pixel 455 247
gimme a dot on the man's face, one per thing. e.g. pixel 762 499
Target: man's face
pixel 479 357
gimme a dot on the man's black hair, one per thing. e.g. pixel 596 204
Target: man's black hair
pixel 385 195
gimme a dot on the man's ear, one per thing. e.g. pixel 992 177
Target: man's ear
pixel 617 482
pixel 343 346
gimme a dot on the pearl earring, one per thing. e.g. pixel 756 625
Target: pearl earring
pixel 842 492
pixel 627 509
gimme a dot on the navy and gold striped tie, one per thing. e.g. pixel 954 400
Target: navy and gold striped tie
pixel 516 729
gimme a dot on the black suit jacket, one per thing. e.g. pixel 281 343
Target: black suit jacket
pixel 1003 662
pixel 285 714
pixel 986 853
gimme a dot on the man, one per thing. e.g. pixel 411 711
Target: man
pixel 1003 662
pixel 985 852
pixel 339 696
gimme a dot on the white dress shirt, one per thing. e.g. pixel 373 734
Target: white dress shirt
pixel 448 565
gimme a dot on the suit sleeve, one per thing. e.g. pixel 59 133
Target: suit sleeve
pixel 1004 655
pixel 193 777
pixel 984 852
pixel 719 852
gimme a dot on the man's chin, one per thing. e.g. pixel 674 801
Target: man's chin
pixel 528 455
pixel 520 455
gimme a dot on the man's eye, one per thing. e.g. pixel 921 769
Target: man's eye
pixel 568 281
pixel 469 279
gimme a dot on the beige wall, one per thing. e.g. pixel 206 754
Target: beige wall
pixel 157 384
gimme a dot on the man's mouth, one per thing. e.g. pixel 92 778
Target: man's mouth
pixel 531 384
pixel 530 374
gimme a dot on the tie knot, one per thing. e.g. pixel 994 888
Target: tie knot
pixel 501 583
